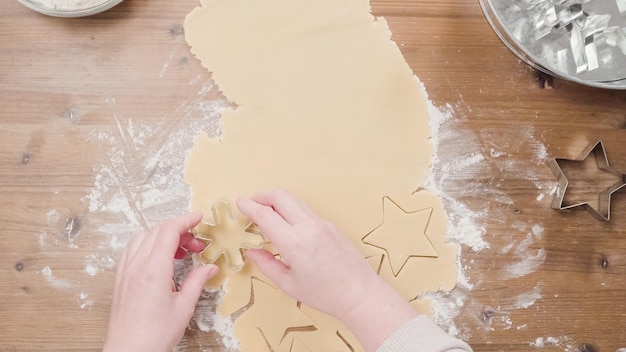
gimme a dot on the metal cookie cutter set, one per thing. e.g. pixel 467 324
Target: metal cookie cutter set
pixel 603 211
pixel 579 40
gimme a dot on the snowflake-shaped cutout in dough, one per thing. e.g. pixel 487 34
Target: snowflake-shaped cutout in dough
pixel 228 235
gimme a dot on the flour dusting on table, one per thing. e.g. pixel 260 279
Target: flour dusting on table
pixel 560 341
pixel 473 208
pixel 140 181
pixel 463 224
pixel 58 283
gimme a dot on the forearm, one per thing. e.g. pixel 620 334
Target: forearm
pixel 386 322
pixel 376 318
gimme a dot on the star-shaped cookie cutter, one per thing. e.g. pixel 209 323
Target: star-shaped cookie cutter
pixel 243 233
pixel 604 204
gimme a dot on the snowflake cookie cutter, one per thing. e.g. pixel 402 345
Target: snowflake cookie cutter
pixel 228 235
pixel 604 198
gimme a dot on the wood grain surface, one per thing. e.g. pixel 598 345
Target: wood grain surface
pixel 549 280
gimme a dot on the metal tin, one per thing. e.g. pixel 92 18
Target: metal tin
pixel 579 40
pixel 103 6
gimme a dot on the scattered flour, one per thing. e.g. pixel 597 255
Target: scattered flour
pixel 528 264
pixel 446 307
pixel 545 190
pixel 91 269
pixel 95 264
pixel 541 154
pixel 140 182
pixel 529 259
pixel 496 153
pixel 167 64
pixel 462 222
pixel 53 216
pixel 42 238
pixel 561 342
pixel 537 230
pixel 84 300
pixel 61 284
pixel 467 226
pixel 463 225
pixel 462 280
pixel 525 300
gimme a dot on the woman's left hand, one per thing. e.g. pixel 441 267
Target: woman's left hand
pixel 148 313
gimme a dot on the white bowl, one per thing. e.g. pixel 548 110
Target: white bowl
pixel 79 12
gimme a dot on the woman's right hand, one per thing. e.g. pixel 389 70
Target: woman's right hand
pixel 318 265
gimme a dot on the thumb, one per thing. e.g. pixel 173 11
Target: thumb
pixel 271 267
pixel 194 283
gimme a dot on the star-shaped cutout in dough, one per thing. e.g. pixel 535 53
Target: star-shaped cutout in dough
pixel 298 346
pixel 402 234
pixel 274 313
pixel 589 182
pixel 227 236
pixel 326 336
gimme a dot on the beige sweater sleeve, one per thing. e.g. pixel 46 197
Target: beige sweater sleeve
pixel 423 335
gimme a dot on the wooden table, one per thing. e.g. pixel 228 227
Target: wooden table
pixel 72 90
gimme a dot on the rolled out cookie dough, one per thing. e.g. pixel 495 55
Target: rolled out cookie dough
pixel 327 108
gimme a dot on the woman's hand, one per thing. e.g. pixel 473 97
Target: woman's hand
pixel 320 267
pixel 147 313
